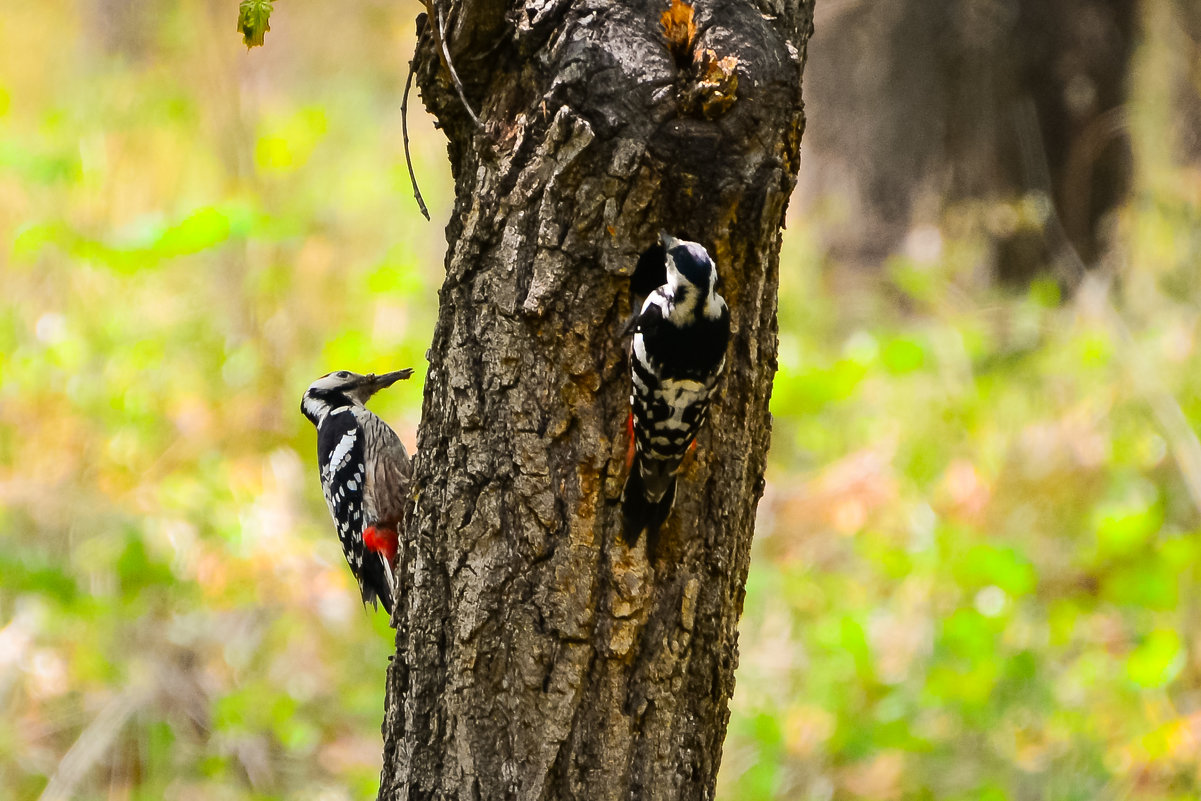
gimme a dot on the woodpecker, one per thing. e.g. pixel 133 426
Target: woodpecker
pixel 364 474
pixel 677 355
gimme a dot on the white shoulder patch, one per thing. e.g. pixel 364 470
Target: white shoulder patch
pixel 342 449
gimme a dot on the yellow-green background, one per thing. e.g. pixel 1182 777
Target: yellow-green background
pixel 977 563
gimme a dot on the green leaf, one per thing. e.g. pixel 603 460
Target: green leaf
pixel 204 228
pixel 1003 565
pixel 1045 292
pixel 903 355
pixel 1157 661
pixel 253 16
pixel 1125 525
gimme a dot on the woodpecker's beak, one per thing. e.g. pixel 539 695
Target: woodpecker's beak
pixel 667 240
pixel 378 382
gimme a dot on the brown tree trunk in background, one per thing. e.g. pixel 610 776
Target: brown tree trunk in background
pixel 537 656
pixel 924 102
pixel 1180 22
pixel 121 26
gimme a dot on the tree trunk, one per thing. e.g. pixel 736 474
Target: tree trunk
pixel 537 656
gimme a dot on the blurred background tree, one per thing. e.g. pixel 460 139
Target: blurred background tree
pixel 977 563
pixel 962 100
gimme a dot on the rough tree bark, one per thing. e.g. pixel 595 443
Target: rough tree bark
pixel 537 656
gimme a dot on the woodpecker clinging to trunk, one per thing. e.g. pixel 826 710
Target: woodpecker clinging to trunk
pixel 678 352
pixel 364 475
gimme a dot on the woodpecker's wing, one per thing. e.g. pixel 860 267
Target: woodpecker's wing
pixel 340 455
pixel 387 478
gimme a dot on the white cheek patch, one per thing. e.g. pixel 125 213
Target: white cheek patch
pixel 313 407
pixel 714 306
pixel 682 306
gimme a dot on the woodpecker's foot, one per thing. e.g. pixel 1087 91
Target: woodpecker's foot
pixel 382 541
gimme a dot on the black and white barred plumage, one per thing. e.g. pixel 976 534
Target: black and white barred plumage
pixel 677 356
pixel 364 474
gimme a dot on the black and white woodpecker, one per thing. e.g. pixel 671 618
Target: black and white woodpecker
pixel 364 474
pixel 677 355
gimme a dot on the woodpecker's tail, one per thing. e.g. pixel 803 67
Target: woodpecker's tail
pixel 375 583
pixel 646 501
pixel 375 577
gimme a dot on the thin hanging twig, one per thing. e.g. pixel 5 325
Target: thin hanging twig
pixel 440 39
pixel 404 132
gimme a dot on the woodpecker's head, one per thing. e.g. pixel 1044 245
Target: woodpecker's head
pixel 691 274
pixel 344 388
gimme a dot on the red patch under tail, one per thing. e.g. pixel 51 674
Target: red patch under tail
pixel 630 433
pixel 382 541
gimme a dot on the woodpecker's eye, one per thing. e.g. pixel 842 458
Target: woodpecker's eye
pixel 343 374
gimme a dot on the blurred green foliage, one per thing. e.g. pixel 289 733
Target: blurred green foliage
pixel 189 234
pixel 976 568
pixel 976 571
